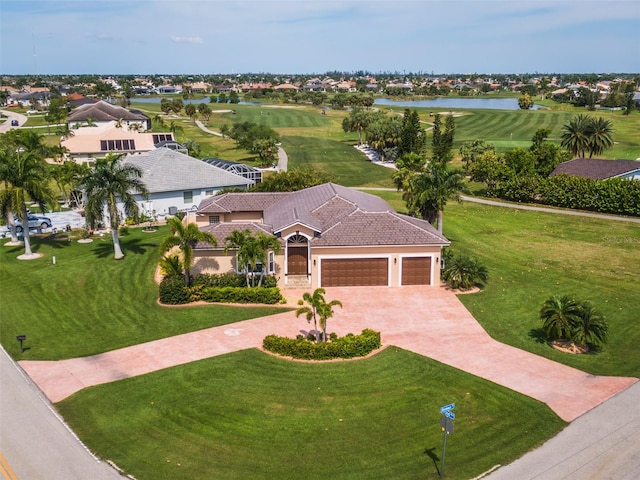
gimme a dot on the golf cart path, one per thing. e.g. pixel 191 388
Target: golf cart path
pixel 428 321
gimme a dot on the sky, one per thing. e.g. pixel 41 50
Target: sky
pixel 311 36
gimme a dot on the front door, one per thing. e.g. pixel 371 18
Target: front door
pixel 297 255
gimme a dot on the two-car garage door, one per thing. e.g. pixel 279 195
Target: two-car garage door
pixel 352 272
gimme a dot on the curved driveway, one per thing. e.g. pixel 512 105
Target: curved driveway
pixel 428 321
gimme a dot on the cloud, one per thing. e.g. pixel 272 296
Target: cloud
pixel 195 40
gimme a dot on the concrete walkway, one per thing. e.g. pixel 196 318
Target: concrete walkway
pixel 428 321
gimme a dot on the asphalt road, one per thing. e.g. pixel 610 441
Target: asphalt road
pixel 603 444
pixel 34 441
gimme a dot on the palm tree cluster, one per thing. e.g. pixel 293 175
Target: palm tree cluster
pixel 184 237
pixel 428 184
pixel 585 133
pixel 565 318
pixel 251 251
pixel 317 309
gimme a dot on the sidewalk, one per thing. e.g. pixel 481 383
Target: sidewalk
pixel 428 321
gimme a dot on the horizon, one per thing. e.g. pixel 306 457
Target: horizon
pixel 197 37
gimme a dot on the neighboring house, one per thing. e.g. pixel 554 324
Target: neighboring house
pixel 177 182
pixel 103 113
pixel 89 143
pixel 330 236
pixel 599 169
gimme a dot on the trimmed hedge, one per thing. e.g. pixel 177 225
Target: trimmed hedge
pixel 174 292
pixel 348 346
pixel 230 280
pixel 615 195
pixel 264 295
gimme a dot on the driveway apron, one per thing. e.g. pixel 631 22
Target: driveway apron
pixel 425 320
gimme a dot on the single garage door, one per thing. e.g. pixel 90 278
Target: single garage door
pixel 416 271
pixel 354 272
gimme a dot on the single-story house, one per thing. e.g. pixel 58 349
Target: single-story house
pixel 330 236
pixel 177 182
pixel 103 113
pixel 599 169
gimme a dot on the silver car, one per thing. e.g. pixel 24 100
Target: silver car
pixel 35 221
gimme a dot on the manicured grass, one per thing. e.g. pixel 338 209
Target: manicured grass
pixel 531 256
pixel 88 303
pixel 250 415
pixel 534 255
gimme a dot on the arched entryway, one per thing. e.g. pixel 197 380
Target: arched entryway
pixel 297 255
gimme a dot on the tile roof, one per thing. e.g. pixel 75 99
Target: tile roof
pixel 87 139
pixel 223 230
pixel 103 112
pixel 165 170
pixel 595 168
pixel 341 216
pixel 240 202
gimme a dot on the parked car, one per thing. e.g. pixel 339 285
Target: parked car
pixel 14 123
pixel 35 221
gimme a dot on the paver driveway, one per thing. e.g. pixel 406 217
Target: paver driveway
pixel 428 321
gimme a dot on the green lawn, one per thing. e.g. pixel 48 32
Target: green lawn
pixel 250 415
pixel 88 303
pixel 533 255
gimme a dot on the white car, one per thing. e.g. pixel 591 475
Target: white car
pixel 35 221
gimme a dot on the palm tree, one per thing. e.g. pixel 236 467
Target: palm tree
pixel 238 240
pixel 600 135
pixel 185 237
pixel 463 272
pixel 317 308
pixel 575 135
pixel 252 250
pixel 591 328
pixel 430 190
pixel 26 177
pixel 110 182
pixel 559 314
pixel 170 265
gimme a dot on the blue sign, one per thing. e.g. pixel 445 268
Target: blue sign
pixel 449 414
pixel 447 408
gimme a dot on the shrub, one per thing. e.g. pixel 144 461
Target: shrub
pixel 230 280
pixel 173 290
pixel 463 272
pixel 348 346
pixel 264 295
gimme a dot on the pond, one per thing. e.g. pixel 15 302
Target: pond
pixel 456 103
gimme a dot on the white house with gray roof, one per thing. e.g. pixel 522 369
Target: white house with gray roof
pixel 330 236
pixel 177 182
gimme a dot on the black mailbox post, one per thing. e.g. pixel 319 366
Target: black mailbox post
pixel 21 338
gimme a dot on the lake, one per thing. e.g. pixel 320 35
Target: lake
pixel 456 103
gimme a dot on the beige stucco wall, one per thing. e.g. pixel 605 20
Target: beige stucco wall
pixel 214 261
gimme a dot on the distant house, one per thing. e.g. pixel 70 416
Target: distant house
pixel 599 169
pixel 103 113
pixel 330 236
pixel 90 143
pixel 177 182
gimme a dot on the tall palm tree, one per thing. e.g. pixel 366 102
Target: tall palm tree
pixel 600 133
pixel 432 188
pixel 109 183
pixel 575 135
pixel 26 177
pixel 251 251
pixel 265 243
pixel 316 309
pixel 185 237
pixel 238 240
pixel 559 314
